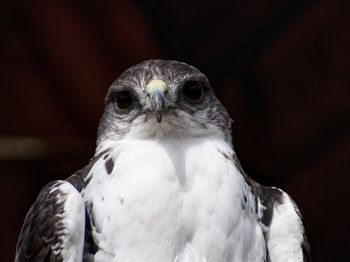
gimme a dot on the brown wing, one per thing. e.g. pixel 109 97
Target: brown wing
pixel 43 231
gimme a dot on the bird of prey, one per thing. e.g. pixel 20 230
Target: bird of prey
pixel 165 185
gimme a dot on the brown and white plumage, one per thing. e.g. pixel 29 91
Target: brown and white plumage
pixel 165 185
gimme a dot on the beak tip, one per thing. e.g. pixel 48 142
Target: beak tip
pixel 159 116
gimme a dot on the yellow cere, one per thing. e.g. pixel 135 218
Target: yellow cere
pixel 156 85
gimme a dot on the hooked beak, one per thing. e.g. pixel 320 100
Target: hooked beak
pixel 156 90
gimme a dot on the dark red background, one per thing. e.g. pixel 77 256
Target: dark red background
pixel 280 67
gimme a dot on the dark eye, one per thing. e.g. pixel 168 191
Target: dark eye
pixel 124 99
pixel 193 91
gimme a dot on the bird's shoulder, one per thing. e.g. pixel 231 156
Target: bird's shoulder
pixel 282 223
pixel 56 217
pixel 56 209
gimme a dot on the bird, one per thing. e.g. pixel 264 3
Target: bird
pixel 164 185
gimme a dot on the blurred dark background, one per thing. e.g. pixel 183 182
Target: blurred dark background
pixel 280 67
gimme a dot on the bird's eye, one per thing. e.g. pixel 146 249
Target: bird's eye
pixel 124 99
pixel 193 91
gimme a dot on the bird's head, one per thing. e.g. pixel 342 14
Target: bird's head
pixel 160 99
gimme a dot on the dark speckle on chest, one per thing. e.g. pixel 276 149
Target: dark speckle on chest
pixel 109 164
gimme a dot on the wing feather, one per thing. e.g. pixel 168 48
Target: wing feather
pixel 284 231
pixel 281 222
pixel 53 229
pixel 53 223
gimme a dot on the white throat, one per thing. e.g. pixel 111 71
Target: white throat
pixel 168 200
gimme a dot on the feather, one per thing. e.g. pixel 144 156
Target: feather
pixel 53 229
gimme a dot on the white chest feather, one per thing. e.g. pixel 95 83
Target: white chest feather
pixel 172 200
